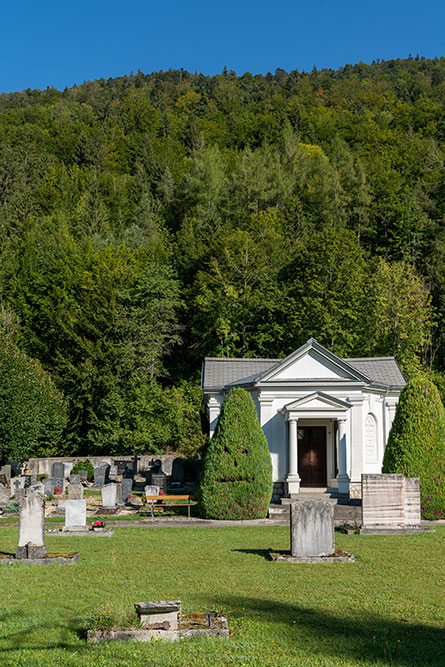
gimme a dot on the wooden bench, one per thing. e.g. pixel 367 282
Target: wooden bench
pixel 163 501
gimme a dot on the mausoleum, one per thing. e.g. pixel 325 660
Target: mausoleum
pixel 326 419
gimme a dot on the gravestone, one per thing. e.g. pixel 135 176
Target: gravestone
pixel 15 468
pixel 119 495
pixel 75 515
pixel 100 475
pixel 20 494
pixel 58 474
pixel 74 479
pixel 3 479
pixel 31 527
pixel 17 483
pixel 83 474
pixel 151 490
pixel 30 480
pixel 109 493
pixel 390 503
pixel 178 470
pixel 6 470
pixel 311 528
pixel 124 465
pixel 113 472
pixel 67 467
pixel 61 507
pixel 48 486
pixel 38 488
pixel 75 491
pixel 127 487
pixel 160 480
pixel 5 495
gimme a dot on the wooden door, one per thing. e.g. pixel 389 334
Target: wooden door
pixel 312 458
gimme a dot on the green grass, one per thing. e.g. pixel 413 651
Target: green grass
pixel 385 609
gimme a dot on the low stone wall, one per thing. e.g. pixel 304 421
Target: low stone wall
pixel 44 466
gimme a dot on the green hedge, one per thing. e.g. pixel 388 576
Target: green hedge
pixel 236 482
pixel 416 443
pixel 84 465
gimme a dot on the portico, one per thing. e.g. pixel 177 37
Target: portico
pixel 314 413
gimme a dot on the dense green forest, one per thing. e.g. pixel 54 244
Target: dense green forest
pixel 150 220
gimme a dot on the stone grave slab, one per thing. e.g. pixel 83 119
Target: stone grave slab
pixel 31 527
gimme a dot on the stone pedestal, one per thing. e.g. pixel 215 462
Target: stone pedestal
pixel 154 614
pixel 311 528
pixel 390 503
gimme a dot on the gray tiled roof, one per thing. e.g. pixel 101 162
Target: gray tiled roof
pixel 379 369
pixel 219 372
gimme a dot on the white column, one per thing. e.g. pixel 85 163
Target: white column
pixel 293 478
pixel 342 477
pixel 214 407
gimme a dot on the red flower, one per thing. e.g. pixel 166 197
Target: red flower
pixel 57 490
pixel 99 524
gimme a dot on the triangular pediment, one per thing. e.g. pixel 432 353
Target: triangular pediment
pixel 312 361
pixel 317 401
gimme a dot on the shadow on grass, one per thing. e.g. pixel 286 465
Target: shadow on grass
pixel 368 637
pixel 257 552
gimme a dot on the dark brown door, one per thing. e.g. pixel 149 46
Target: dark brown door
pixel 312 455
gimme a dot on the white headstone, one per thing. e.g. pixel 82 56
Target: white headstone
pixel 31 527
pixel 109 493
pixel 151 490
pixel 75 514
pixel 312 528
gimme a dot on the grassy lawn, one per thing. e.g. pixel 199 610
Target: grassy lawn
pixel 386 609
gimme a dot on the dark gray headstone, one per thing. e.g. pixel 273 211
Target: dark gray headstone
pixel 58 470
pixel 59 483
pixel 178 470
pixel 15 468
pixel 30 480
pixel 100 475
pixel 74 479
pixel 161 481
pixel 127 487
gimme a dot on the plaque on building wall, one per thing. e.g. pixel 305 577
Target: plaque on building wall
pixel 371 452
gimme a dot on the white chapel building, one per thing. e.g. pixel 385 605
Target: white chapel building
pixel 326 419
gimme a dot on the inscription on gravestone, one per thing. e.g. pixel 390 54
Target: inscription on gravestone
pixel 160 480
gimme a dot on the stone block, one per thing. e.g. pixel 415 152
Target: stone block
pixel 312 528
pixel 161 612
pixel 75 514
pixel 390 502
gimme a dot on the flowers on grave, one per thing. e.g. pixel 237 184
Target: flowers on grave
pixel 99 524
pixel 161 492
pixel 129 496
pixel 57 491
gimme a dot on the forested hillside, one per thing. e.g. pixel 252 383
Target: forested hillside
pixel 150 220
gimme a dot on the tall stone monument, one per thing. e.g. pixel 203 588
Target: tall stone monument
pixel 31 527
pixel 390 504
pixel 311 528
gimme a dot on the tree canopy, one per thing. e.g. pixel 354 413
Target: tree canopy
pixel 149 220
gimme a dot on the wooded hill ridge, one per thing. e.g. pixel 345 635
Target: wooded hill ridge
pixel 150 220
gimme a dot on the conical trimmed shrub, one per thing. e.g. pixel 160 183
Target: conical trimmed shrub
pixel 416 443
pixel 236 481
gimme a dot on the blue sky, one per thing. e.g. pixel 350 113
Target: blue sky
pixel 58 43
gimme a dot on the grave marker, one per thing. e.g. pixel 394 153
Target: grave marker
pixel 75 515
pixel 75 491
pixel 312 528
pixel 109 493
pixel 31 527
